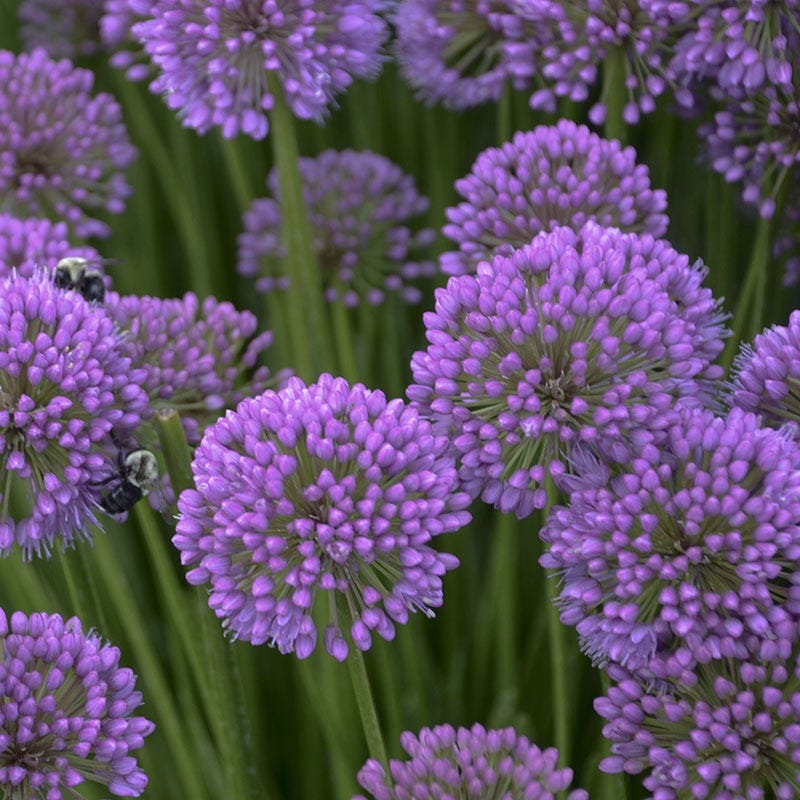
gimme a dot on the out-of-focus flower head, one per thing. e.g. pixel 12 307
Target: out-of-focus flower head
pixel 730 729
pixel 575 338
pixel 66 715
pixel 27 244
pixel 65 29
pixel 116 33
pixel 585 34
pixel 62 150
pixel 554 175
pixel 319 489
pixel 359 206
pixel 193 357
pixel 464 52
pixel 469 763
pixel 786 246
pixel 65 387
pixel 689 549
pixel 220 60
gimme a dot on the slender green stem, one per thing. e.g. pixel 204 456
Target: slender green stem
pixel 76 597
pixel 613 95
pixel 241 183
pixel 308 324
pixel 506 559
pixel 504 124
pixel 366 706
pixel 345 344
pixel 175 449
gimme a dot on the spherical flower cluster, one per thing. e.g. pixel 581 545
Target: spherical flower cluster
pixel 691 547
pixel 324 488
pixel 730 731
pixel 766 375
pixel 575 338
pixel 359 205
pixel 742 45
pixel 463 52
pixel 65 386
pixel 62 151
pixel 554 175
pixel 66 715
pixel 220 61
pixel 468 763
pixel 27 244
pixel 754 142
pixel 641 33
pixel 192 357
pixel 66 29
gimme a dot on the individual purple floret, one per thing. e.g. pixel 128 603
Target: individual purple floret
pixel 468 763
pixel 65 29
pixel 766 374
pixel 116 33
pixel 730 731
pixel 221 61
pixel 690 548
pixel 583 35
pixel 193 357
pixel 463 52
pixel 65 385
pixel 553 175
pixel 575 338
pixel 755 142
pixel 62 151
pixel 359 206
pixel 28 244
pixel 326 488
pixel 66 716
pixel 741 44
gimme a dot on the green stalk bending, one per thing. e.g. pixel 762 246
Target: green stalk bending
pixel 366 706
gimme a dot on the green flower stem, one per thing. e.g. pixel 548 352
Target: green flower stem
pixel 76 597
pixel 504 125
pixel 366 706
pixel 345 344
pixel 308 324
pixel 505 588
pixel 613 95
pixel 175 449
pixel 558 661
pixel 236 168
pixel 393 348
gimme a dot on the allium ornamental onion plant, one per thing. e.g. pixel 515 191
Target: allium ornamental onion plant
pixel 66 716
pixel 575 338
pixel 65 29
pixel 65 385
pixel 730 730
pixel 688 552
pixel 27 245
pixel 192 357
pixel 464 52
pixel 116 33
pixel 359 206
pixel 319 489
pixel 553 175
pixel 220 61
pixel 468 763
pixel 63 152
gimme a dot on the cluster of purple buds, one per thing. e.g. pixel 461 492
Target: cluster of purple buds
pixel 444 762
pixel 315 489
pixel 116 33
pixel 67 29
pixel 359 205
pixel 63 152
pixel 67 711
pixel 688 552
pixel 221 62
pixel 590 338
pixel 553 175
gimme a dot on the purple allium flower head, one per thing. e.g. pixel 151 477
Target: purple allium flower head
pixel 766 374
pixel 66 715
pixel 469 763
pixel 66 28
pixel 689 547
pixel 463 52
pixel 326 488
pixel 193 357
pixel 575 338
pixel 729 730
pixel 359 205
pixel 65 386
pixel 755 142
pixel 554 175
pixel 584 34
pixel 742 44
pixel 62 151
pixel 27 244
pixel 216 56
pixel 116 24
